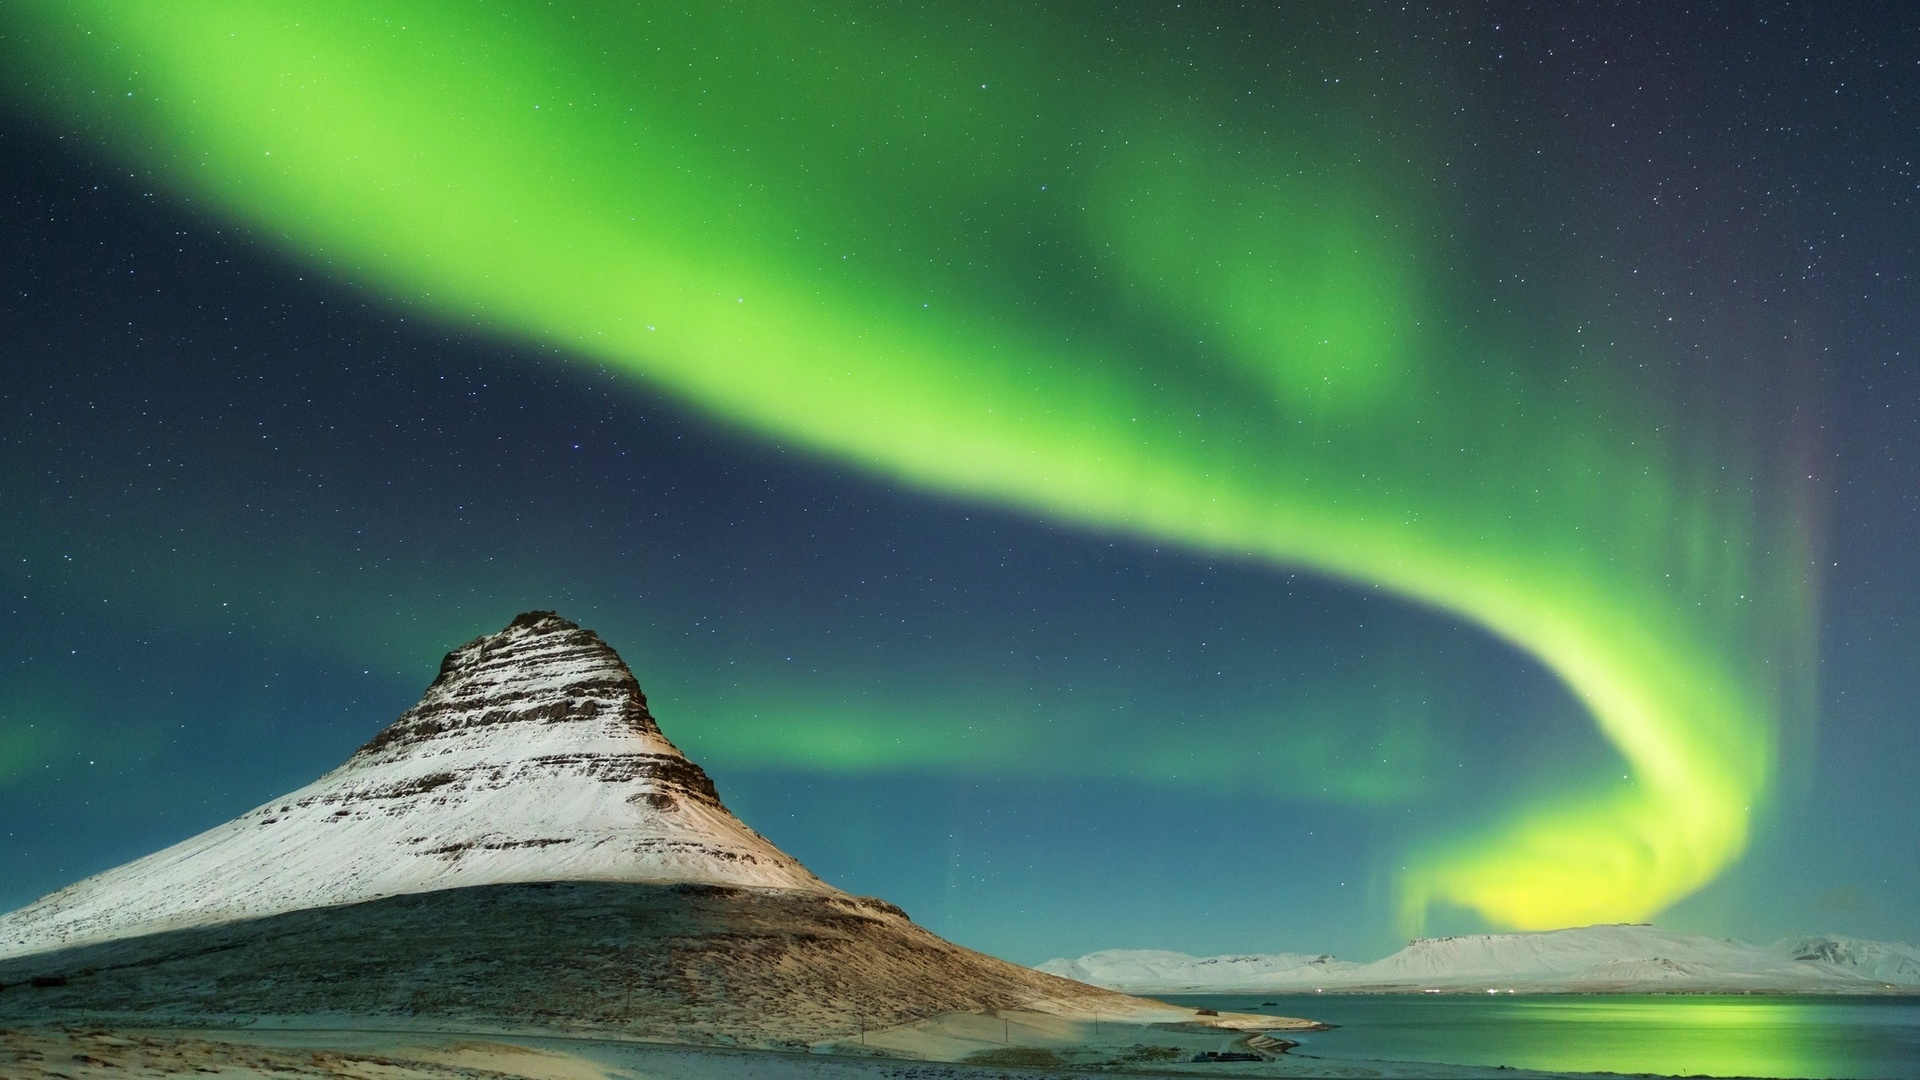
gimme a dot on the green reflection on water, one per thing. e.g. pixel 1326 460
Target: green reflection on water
pixel 1721 1037
pixel 1784 1036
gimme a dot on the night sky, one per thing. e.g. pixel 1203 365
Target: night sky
pixel 1217 477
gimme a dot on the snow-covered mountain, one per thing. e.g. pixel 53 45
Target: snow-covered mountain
pixel 1158 971
pixel 1622 957
pixel 1616 958
pixel 531 758
pixel 1891 962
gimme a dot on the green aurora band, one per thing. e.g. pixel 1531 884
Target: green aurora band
pixel 993 257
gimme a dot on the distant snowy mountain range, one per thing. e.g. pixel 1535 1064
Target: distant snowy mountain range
pixel 1627 958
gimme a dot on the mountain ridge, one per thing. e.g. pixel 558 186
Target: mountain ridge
pixel 1624 958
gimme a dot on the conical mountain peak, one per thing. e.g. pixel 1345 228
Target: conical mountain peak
pixel 531 757
pixel 541 685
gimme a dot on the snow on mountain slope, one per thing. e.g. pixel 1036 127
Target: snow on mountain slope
pixel 531 758
pixel 1618 958
pixel 1893 962
pixel 1162 972
pixel 1557 955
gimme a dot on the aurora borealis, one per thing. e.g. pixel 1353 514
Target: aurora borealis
pixel 1317 304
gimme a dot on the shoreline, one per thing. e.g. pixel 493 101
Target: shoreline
pixel 982 1045
pixel 102 1052
pixel 1474 991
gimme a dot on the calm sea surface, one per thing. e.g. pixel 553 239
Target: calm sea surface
pixel 1671 1035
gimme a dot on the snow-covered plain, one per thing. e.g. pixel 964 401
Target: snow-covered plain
pixel 531 758
pixel 1622 958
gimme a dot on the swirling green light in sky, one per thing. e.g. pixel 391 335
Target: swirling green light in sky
pixel 993 256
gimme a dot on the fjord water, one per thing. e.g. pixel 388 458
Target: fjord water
pixel 1673 1035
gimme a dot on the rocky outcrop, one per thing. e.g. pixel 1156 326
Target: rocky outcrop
pixel 532 757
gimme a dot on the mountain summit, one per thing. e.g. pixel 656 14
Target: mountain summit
pixel 532 757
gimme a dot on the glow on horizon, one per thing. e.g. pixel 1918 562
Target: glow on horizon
pixel 876 246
